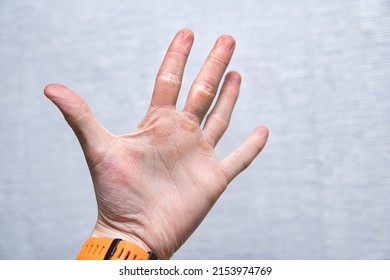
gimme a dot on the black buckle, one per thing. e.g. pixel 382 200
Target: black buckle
pixel 112 248
pixel 152 256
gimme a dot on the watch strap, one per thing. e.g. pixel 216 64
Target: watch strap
pixel 113 249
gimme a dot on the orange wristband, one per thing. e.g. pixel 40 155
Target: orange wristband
pixel 109 249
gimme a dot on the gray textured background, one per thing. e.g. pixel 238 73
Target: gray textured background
pixel 317 73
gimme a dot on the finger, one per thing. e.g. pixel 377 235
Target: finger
pixel 170 74
pixel 218 120
pixel 242 157
pixel 205 86
pixel 78 115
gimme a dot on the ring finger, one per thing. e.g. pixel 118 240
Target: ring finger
pixel 218 120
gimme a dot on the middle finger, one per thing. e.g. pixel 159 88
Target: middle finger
pixel 205 85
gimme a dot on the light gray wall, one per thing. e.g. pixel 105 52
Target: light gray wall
pixel 317 73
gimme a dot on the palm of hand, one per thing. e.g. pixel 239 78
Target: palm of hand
pixel 158 183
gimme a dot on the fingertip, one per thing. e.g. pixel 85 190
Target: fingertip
pixel 262 131
pixel 186 31
pixel 186 34
pixel 234 76
pixel 68 101
pixel 52 89
pixel 48 90
pixel 182 42
pixel 227 41
pixel 261 134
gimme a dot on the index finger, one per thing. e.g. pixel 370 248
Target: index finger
pixel 170 74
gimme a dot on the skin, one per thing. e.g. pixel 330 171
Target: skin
pixel 155 186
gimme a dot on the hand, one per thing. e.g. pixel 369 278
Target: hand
pixel 154 186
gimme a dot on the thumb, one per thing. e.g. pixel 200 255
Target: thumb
pixel 77 113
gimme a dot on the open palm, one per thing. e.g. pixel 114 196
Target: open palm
pixel 154 186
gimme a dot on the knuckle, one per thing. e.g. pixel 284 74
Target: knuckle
pixel 168 78
pixel 206 88
pixel 217 60
pixel 219 118
pixel 242 160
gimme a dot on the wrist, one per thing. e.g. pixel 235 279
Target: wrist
pixel 134 234
pixel 101 231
